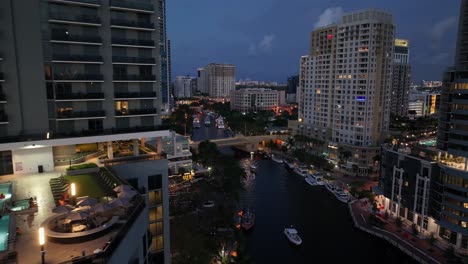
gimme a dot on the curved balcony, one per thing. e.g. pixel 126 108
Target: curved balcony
pixel 75 19
pixel 3 118
pixel 134 78
pixel 89 3
pixel 75 39
pixel 136 112
pixel 137 43
pixel 79 97
pixel 78 78
pixel 69 58
pixel 71 115
pixel 139 95
pixel 2 79
pixel 129 5
pixel 3 98
pixel 132 24
pixel 133 60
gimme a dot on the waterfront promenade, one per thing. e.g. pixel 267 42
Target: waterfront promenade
pixel 401 237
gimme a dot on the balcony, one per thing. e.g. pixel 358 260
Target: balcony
pixel 134 78
pixel 2 79
pixel 127 42
pixel 140 95
pixel 78 78
pixel 75 19
pixel 133 60
pixel 70 115
pixel 79 97
pixel 3 118
pixel 90 3
pixel 70 58
pixel 129 5
pixel 136 112
pixel 3 98
pixel 75 39
pixel 132 24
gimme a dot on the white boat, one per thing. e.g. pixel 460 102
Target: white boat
pixel 196 122
pixel 330 187
pixel 317 177
pixel 275 159
pixel 289 165
pixel 207 121
pixel 293 236
pixel 341 195
pixel 220 123
pixel 301 171
pixel 311 181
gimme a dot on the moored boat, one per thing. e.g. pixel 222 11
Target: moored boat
pixel 293 236
pixel 341 195
pixel 330 187
pixel 207 121
pixel 289 165
pixel 311 181
pixel 301 171
pixel 275 159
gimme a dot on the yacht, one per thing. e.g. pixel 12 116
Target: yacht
pixel 289 165
pixel 275 159
pixel 248 220
pixel 301 171
pixel 311 181
pixel 330 187
pixel 220 124
pixel 317 177
pixel 207 121
pixel 341 195
pixel 293 236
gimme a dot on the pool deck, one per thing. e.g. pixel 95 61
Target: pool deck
pixel 26 245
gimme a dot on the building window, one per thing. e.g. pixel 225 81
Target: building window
pixel 155 214
pixel 157 244
pixel 156 229
pixel 155 182
pixel 155 198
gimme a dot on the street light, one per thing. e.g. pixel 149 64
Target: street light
pixel 73 192
pixel 41 243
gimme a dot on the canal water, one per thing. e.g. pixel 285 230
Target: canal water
pixel 280 198
pixel 207 132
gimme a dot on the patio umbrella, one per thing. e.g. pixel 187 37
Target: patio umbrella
pixel 127 194
pixel 120 202
pixel 87 201
pixel 75 216
pixel 123 187
pixel 62 209
pixel 101 207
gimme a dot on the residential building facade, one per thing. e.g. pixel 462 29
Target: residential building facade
pixel 345 84
pixel 401 78
pixel 254 99
pixel 183 86
pixel 217 80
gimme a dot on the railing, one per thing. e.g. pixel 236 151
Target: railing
pixel 1 76
pixel 133 42
pixel 134 77
pixel 137 112
pixel 71 57
pixel 3 97
pixel 79 96
pixel 135 95
pixel 121 59
pixel 3 117
pixel 76 18
pixel 132 5
pixel 75 38
pixel 79 77
pixel 80 114
pixel 131 23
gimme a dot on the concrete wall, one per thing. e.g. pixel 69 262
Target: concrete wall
pixel 28 160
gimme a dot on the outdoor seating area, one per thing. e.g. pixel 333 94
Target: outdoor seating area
pixel 59 187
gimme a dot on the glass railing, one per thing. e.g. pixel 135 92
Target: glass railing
pixel 71 57
pixel 79 77
pixel 134 77
pixel 92 2
pixel 80 114
pixel 75 38
pixel 132 5
pixel 133 42
pixel 122 59
pixel 135 95
pixel 148 111
pixel 76 18
pixel 80 96
pixel 3 117
pixel 131 23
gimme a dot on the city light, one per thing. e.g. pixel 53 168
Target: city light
pixel 73 189
pixel 41 236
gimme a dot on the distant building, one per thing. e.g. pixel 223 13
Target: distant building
pixel 347 107
pixel 401 78
pixel 255 99
pixel 183 86
pixel 424 103
pixel 291 88
pixel 217 80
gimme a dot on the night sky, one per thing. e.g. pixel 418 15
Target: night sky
pixel 265 38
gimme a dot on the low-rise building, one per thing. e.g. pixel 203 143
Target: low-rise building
pixel 255 99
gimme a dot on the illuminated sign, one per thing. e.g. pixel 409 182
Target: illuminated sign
pixel 401 42
pixel 329 36
pixel 360 98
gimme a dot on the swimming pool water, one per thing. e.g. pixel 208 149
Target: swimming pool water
pixel 20 205
pixel 4 231
pixel 5 188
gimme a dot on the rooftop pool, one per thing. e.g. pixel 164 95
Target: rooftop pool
pixel 429 142
pixel 4 232
pixel 5 188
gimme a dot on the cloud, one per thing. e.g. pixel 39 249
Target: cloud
pixel 329 16
pixel 439 29
pixel 264 46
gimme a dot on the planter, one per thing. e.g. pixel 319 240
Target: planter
pixel 82 171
